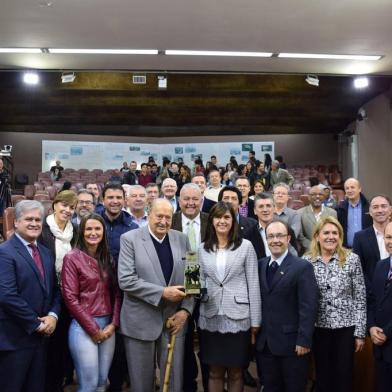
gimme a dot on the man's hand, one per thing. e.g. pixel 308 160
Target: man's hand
pixel 177 321
pixel 377 335
pixel 173 294
pixel 50 323
pixel 253 332
pixel 109 330
pixel 301 350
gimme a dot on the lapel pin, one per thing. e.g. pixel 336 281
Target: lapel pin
pixel 281 272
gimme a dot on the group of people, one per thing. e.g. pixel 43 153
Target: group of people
pixel 92 286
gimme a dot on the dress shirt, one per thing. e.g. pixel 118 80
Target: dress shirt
pixel 354 221
pixel 155 237
pixel 264 238
pixel 279 260
pixel 381 244
pixel 243 210
pixel 342 290
pixel 140 221
pixel 173 202
pixel 212 193
pixel 196 225
pixel 291 217
pixel 317 215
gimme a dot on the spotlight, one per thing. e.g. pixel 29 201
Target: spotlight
pixel 68 77
pixel 313 80
pixel 31 78
pixel 361 82
pixel 162 82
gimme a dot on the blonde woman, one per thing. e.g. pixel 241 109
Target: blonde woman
pixel 341 322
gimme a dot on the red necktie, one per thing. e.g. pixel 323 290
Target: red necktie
pixel 37 259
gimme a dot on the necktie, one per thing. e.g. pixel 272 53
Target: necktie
pixel 192 236
pixel 37 259
pixel 272 268
pixel 389 280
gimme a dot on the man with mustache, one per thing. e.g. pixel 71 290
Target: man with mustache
pixel 84 206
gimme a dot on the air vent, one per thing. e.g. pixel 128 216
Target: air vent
pixel 139 79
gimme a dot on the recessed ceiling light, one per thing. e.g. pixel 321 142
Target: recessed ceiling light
pixel 20 50
pixel 329 56
pixel 103 51
pixel 216 53
pixel 361 82
pixel 30 78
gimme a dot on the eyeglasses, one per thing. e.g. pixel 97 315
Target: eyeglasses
pixel 85 202
pixel 278 236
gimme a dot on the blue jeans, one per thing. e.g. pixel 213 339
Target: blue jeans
pixel 92 361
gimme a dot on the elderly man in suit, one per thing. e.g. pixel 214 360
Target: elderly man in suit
pixel 289 296
pixel 193 223
pixel 29 302
pixel 380 316
pixel 278 175
pixel 353 212
pixel 369 243
pixel 311 214
pixel 151 274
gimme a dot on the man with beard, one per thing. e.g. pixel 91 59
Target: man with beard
pixel 84 206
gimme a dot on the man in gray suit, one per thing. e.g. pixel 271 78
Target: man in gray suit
pixel 311 214
pixel 278 175
pixel 151 274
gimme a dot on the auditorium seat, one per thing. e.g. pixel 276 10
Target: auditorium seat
pixel 295 194
pixel 338 194
pixel 295 204
pixel 16 198
pixel 304 199
pixel 48 207
pixel 8 222
pixel 52 191
pixel 29 191
pixel 41 196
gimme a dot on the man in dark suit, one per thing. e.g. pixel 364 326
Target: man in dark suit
pixel 200 181
pixel 246 208
pixel 380 316
pixel 289 295
pixel 193 223
pixel 369 243
pixel 29 302
pixel 169 191
pixel 353 212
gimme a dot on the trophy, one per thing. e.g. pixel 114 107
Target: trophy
pixel 192 279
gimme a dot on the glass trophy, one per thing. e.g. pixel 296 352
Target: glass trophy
pixel 192 279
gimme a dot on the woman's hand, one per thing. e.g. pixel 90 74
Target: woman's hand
pixel 99 337
pixel 109 330
pixel 359 343
pixel 253 333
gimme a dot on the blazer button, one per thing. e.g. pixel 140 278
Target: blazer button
pixel 221 285
pixel 329 302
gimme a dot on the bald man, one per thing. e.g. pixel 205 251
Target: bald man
pixel 151 274
pixel 353 211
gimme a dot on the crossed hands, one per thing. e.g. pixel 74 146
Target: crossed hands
pixel 104 334
pixel 48 325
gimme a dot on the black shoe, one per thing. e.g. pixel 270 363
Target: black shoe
pixel 248 379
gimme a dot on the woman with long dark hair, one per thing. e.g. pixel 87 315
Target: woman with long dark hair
pixel 91 295
pixel 230 314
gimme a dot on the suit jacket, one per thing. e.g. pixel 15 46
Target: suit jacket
pixel 380 309
pixel 24 294
pixel 308 222
pixel 207 205
pixel 144 312
pixel 290 306
pixel 281 175
pixel 249 230
pixel 238 294
pixel 177 223
pixel 251 209
pixel 366 247
pixel 342 211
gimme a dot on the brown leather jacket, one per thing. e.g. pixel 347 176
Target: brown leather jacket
pixel 86 294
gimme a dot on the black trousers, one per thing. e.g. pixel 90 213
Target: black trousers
pixel 384 376
pixel 23 370
pixel 190 363
pixel 333 356
pixel 283 373
pixel 59 363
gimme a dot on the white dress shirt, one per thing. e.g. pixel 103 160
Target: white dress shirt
pixel 196 225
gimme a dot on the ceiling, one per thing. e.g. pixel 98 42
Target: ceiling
pixel 339 27
pixel 206 95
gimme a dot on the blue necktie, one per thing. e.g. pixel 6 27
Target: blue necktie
pixel 271 271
